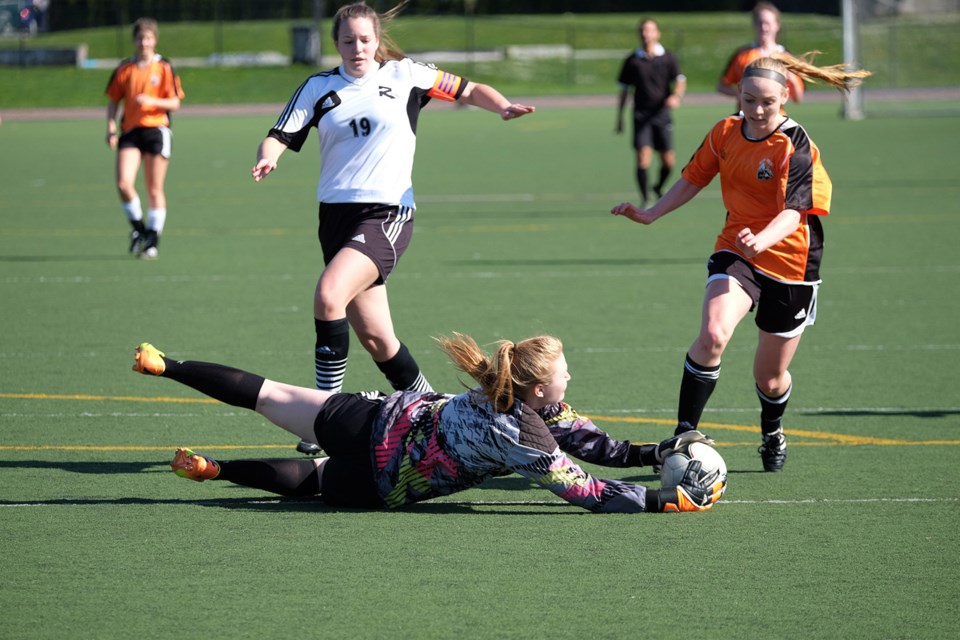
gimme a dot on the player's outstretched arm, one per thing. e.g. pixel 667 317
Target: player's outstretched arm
pixel 679 194
pixel 486 97
pixel 267 156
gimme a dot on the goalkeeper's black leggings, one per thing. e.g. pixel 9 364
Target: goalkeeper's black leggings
pixel 343 428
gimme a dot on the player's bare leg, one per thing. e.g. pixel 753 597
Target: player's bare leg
pixel 774 384
pixel 128 164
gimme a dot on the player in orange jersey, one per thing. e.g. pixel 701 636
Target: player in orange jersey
pixel 767 256
pixel 766 24
pixel 149 89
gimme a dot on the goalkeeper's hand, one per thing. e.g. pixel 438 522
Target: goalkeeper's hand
pixel 698 490
pixel 679 444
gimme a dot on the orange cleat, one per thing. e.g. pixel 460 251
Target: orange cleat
pixel 188 464
pixel 148 359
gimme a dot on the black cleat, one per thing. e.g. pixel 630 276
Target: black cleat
pixel 136 242
pixel 773 451
pixel 309 448
pixel 148 245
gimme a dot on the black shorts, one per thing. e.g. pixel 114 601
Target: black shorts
pixel 379 231
pixel 653 129
pixel 343 428
pixel 783 309
pixel 155 141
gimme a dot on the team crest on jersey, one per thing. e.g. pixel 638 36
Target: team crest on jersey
pixel 765 170
pixel 154 80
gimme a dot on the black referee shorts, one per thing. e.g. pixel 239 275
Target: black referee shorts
pixel 653 129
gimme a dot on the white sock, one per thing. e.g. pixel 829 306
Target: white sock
pixel 156 218
pixel 133 210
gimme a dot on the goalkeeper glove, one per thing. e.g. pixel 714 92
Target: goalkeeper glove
pixel 679 444
pixel 698 490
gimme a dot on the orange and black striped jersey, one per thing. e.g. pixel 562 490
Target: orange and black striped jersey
pixel 156 79
pixel 743 56
pixel 758 180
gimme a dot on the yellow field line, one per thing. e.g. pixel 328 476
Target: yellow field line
pixel 81 396
pixel 832 438
pixel 139 448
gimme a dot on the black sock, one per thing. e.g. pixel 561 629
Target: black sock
pixel 403 373
pixel 642 182
pixel 226 384
pixel 138 226
pixel 664 175
pixel 697 384
pixel 330 355
pixel 772 410
pixel 291 477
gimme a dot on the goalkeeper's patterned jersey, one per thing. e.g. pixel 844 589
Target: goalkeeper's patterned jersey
pixel 758 180
pixel 430 444
pixel 367 128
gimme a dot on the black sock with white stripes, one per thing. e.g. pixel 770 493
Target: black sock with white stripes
pixel 403 373
pixel 330 355
pixel 696 387
pixel 772 410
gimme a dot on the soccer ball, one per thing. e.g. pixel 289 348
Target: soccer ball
pixel 674 466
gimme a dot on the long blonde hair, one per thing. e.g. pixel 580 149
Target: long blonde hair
pixel 388 48
pixel 836 75
pixel 514 368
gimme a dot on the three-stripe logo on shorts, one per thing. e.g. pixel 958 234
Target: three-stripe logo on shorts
pixel 393 225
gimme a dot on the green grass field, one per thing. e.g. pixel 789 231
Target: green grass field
pixel 858 537
pixel 904 52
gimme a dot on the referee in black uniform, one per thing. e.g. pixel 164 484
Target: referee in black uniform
pixel 658 86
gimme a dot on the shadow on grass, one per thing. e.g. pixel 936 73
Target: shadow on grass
pixel 95 468
pixel 287 505
pixel 112 257
pixel 575 262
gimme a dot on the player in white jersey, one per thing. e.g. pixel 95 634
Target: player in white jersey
pixel 365 112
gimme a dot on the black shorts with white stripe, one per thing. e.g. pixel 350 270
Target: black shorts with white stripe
pixel 379 231
pixel 157 141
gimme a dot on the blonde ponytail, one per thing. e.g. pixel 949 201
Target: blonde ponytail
pixel 836 75
pixel 514 368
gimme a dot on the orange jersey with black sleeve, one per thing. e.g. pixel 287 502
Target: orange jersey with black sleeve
pixel 742 57
pixel 758 180
pixel 156 79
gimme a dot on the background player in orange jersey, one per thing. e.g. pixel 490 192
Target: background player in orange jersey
pixel 767 256
pixel 149 89
pixel 766 24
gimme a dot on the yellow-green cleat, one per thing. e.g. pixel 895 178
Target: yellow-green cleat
pixel 148 359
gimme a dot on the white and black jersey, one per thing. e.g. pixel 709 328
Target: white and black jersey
pixel 367 128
